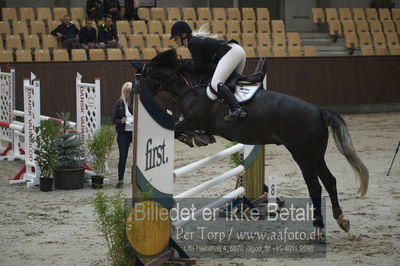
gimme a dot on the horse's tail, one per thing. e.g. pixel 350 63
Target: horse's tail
pixel 345 146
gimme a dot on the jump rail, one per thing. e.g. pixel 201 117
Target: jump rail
pixel 198 164
pixel 227 198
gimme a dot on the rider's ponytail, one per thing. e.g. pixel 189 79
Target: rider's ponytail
pixel 204 32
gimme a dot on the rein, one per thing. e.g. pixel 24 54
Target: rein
pixel 189 84
pixel 178 98
pixel 162 85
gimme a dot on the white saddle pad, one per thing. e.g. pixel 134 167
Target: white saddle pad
pixel 242 93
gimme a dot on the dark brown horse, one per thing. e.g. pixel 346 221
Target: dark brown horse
pixel 273 118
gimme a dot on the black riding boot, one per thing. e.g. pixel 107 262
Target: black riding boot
pixel 236 110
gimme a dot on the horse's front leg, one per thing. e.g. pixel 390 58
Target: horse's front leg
pixel 202 138
pixel 185 138
pixel 198 138
pixel 192 137
pixel 183 132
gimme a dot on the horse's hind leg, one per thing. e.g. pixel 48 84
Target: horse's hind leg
pixel 329 182
pixel 315 190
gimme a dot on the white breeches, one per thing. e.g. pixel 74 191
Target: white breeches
pixel 233 60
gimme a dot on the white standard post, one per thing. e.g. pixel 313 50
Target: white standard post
pixel 7 105
pixel 88 108
pixel 32 120
pixel 80 108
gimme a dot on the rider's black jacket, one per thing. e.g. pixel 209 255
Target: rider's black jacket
pixel 206 51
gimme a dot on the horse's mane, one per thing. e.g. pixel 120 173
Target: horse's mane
pixel 167 58
pixel 168 61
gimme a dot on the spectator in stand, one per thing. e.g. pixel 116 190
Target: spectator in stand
pixel 108 37
pixel 131 9
pixel 95 9
pixel 113 8
pixel 67 33
pixel 87 36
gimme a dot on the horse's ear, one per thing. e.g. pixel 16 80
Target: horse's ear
pixel 137 65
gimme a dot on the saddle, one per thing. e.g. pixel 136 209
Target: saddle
pixel 258 76
pixel 244 87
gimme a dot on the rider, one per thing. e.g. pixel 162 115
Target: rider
pixel 227 55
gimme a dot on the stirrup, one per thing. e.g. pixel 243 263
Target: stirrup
pixel 237 113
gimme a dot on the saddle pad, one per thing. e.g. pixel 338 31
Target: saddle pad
pixel 242 93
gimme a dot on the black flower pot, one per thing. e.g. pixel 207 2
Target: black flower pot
pixel 46 184
pixel 69 178
pixel 97 182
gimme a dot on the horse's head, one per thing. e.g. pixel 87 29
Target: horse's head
pixel 159 71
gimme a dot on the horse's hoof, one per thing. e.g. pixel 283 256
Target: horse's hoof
pixel 201 140
pixel 187 140
pixel 199 143
pixel 319 235
pixel 212 139
pixel 360 194
pixel 343 223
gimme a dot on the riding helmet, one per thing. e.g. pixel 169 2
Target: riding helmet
pixel 179 28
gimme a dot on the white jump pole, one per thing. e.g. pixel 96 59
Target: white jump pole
pixel 18 113
pixel 213 158
pixel 12 126
pixel 210 183
pixel 227 198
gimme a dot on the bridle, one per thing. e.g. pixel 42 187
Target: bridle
pixel 136 82
pixel 162 85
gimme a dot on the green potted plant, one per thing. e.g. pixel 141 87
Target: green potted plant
pixel 69 172
pixel 111 213
pixel 45 151
pixel 99 146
